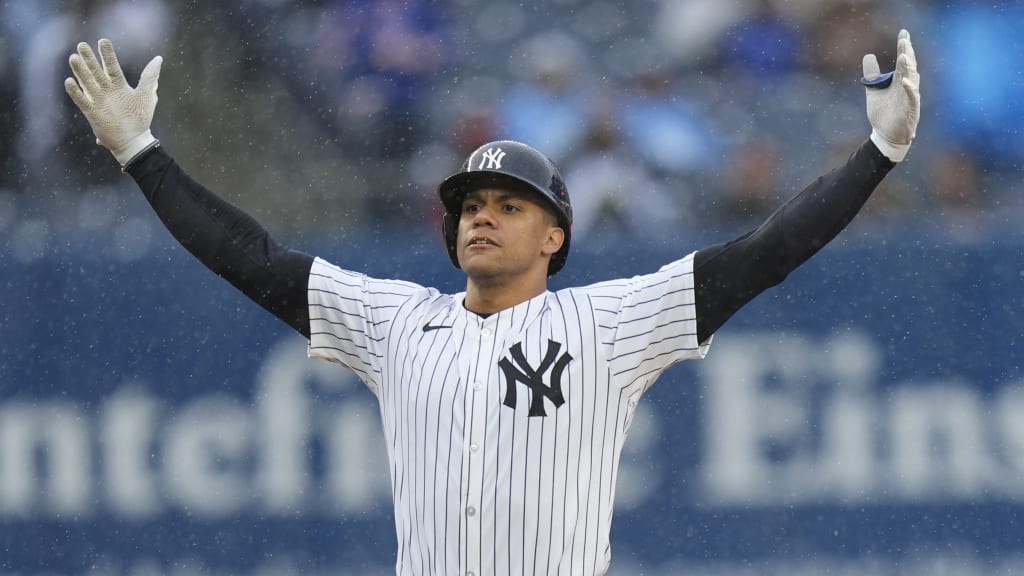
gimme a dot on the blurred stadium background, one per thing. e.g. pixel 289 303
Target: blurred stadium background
pixel 865 418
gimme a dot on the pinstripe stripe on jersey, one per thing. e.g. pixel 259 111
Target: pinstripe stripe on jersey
pixel 348 314
pixel 480 486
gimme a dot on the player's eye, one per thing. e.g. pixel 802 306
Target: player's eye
pixel 471 207
pixel 509 208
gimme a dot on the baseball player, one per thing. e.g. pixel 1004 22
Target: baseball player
pixel 505 407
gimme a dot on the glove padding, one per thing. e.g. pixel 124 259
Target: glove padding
pixel 118 114
pixel 894 110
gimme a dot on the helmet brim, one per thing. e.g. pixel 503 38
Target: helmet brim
pixel 453 191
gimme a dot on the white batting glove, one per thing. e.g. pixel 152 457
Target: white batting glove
pixel 118 114
pixel 894 109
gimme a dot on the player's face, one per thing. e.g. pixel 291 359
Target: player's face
pixel 506 234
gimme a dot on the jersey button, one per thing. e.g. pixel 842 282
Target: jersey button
pixel 470 511
pixel 473 447
pixel 477 386
pixel 486 332
pixel 470 574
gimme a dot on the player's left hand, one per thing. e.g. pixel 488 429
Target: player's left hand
pixel 894 109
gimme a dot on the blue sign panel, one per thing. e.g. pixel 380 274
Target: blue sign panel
pixel 866 417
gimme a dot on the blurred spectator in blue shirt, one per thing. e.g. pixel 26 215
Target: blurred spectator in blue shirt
pixel 763 45
pixel 981 100
pixel 549 107
pixel 669 132
pixel 382 56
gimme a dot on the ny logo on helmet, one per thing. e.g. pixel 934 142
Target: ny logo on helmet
pixel 521 371
pixel 491 159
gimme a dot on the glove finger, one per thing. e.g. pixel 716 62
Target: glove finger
pixel 94 66
pixel 150 77
pixel 86 81
pixel 870 67
pixel 913 104
pixel 77 96
pixel 904 46
pixel 906 69
pixel 907 51
pixel 913 96
pixel 110 64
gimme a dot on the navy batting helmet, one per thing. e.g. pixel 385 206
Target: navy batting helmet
pixel 506 163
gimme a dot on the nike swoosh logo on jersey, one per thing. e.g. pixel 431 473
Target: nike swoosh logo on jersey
pixel 428 327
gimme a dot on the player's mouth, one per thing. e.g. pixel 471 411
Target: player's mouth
pixel 480 241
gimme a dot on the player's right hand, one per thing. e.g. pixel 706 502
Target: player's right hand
pixel 118 114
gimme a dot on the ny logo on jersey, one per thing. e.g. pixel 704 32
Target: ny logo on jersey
pixel 491 159
pixel 534 377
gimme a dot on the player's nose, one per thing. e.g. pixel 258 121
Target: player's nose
pixel 484 216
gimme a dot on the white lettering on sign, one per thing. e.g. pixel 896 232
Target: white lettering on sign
pixel 214 455
pixel 790 420
pixel 787 420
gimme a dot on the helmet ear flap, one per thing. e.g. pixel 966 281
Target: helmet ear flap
pixel 450 230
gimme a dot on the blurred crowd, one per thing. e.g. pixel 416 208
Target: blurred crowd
pixel 665 115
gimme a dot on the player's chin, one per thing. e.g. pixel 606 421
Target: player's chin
pixel 478 265
pixel 483 265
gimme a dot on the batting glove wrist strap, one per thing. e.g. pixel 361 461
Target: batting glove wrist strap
pixel 118 114
pixel 894 108
pixel 894 152
pixel 145 143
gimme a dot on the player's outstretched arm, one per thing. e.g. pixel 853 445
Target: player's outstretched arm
pixel 729 275
pixel 227 240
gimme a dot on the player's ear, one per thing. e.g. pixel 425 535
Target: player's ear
pixel 555 239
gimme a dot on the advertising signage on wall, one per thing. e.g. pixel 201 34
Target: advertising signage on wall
pixel 867 417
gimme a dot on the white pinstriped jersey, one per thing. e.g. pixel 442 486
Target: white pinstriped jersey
pixel 504 433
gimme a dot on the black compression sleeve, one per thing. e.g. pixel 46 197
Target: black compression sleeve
pixel 729 275
pixel 225 239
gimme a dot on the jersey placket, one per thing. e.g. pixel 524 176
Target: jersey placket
pixel 479 364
